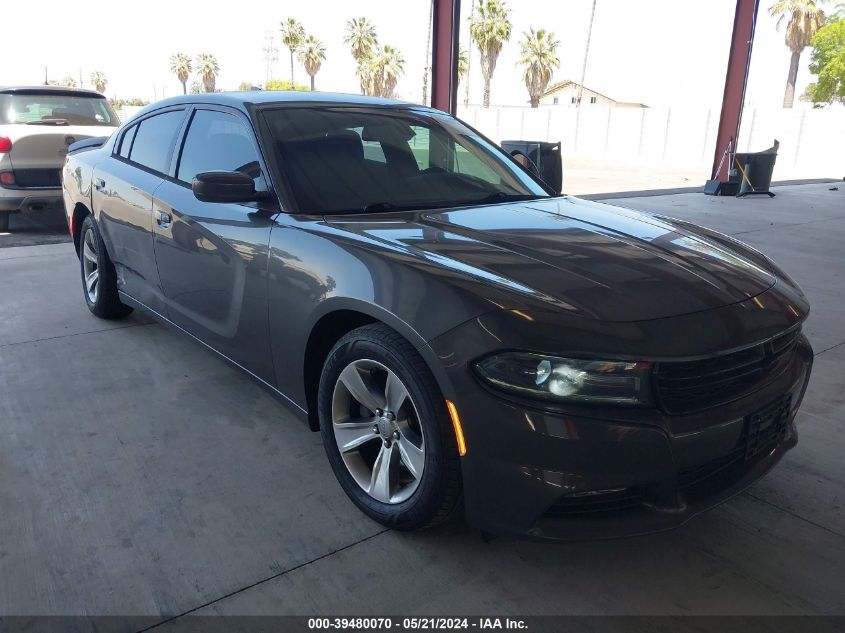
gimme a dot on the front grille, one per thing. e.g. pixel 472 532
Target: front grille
pixel 26 178
pixel 687 387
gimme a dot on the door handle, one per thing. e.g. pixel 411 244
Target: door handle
pixel 163 219
pixel 99 184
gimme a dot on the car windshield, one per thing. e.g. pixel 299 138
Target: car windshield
pixel 348 159
pixel 56 109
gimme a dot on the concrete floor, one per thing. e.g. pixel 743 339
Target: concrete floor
pixel 140 475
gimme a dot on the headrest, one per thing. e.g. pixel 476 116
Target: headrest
pixel 346 144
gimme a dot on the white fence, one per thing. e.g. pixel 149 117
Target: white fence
pixel 812 142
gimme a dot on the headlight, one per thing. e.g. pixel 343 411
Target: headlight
pixel 567 379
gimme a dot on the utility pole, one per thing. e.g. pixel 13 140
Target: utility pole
pixel 469 53
pixel 583 73
pixel 271 54
pixel 427 56
pixel 80 78
pixel 46 82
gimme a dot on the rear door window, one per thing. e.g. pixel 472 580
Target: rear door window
pixel 154 140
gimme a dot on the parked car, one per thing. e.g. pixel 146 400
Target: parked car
pixel 37 124
pixel 454 329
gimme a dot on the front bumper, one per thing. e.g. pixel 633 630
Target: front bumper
pixel 584 473
pixel 25 200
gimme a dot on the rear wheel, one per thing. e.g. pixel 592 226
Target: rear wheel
pixel 386 430
pixel 4 221
pixel 99 280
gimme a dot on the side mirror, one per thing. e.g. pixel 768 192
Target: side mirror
pixel 224 186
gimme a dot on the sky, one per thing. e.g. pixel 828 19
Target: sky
pixel 658 52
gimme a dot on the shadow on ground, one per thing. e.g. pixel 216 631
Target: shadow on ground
pixel 37 227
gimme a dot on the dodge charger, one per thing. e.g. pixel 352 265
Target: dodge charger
pixel 466 339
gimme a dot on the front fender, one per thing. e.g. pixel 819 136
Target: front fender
pixel 312 275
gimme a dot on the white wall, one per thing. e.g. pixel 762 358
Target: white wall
pixel 811 141
pixel 127 112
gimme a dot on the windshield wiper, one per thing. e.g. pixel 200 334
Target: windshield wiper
pixel 379 206
pixel 501 196
pixel 375 207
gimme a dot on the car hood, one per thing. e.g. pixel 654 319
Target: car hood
pixel 587 258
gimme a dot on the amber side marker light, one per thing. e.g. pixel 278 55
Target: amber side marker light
pixel 459 431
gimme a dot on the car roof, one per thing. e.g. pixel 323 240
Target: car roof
pixel 242 100
pixel 55 90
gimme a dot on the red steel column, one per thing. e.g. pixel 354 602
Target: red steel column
pixel 736 79
pixel 444 54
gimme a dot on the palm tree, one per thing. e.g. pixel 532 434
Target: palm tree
pixel 538 54
pixel 367 72
pixel 805 18
pixel 99 80
pixel 312 53
pixel 207 69
pixel 463 64
pixel 361 38
pixel 380 72
pixel 293 36
pixel 392 65
pixel 490 28
pixel 180 65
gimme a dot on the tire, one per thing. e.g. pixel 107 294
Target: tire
pixel 4 221
pixel 99 280
pixel 388 366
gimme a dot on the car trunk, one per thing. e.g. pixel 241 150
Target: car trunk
pixel 38 151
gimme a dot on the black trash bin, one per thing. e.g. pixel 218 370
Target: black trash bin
pixel 546 156
pixel 753 171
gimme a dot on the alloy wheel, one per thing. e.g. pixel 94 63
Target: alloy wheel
pixel 90 266
pixel 378 432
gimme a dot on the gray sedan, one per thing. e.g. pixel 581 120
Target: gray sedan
pixel 465 338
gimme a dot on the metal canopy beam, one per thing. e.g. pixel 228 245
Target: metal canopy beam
pixel 444 54
pixel 736 80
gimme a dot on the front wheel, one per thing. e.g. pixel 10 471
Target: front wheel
pixel 386 430
pixel 99 280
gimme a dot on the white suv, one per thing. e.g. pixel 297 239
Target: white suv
pixel 37 124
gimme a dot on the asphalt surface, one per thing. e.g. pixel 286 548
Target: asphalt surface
pixel 140 475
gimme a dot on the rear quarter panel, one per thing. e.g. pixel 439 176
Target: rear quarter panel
pixel 77 175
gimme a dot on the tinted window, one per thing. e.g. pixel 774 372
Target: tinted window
pixel 217 141
pixel 126 143
pixel 154 139
pixel 471 165
pixel 34 108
